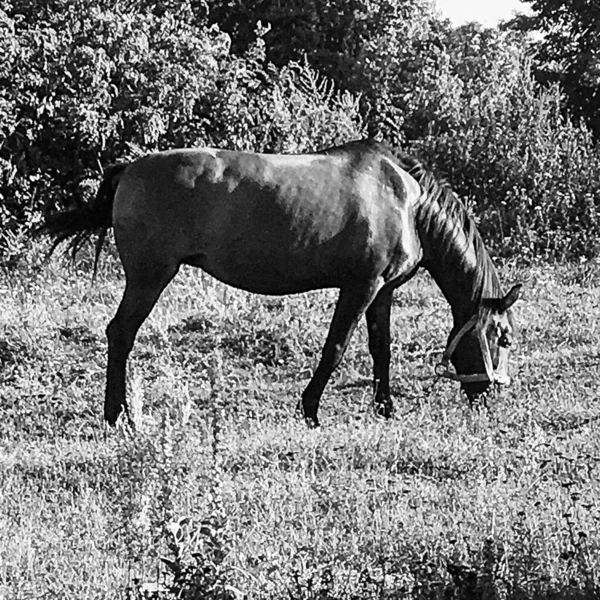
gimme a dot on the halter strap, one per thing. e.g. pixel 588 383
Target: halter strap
pixel 443 370
pixel 451 347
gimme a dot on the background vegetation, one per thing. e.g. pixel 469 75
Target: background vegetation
pixel 510 121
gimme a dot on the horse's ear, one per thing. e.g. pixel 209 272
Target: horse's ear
pixel 513 295
pixel 503 304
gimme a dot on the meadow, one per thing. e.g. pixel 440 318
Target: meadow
pixel 222 492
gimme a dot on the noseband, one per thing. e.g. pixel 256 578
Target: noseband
pixel 443 368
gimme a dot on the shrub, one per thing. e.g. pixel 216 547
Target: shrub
pixel 81 87
pixel 530 173
pixel 87 81
pixel 292 109
pixel 91 85
pixel 464 99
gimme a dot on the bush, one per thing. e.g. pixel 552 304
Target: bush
pixel 530 174
pixel 464 99
pixel 332 34
pixel 93 84
pixel 376 48
pixel 293 109
pixel 88 81
pixel 82 87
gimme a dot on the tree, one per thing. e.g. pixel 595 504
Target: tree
pixel 84 82
pixel 84 85
pixel 332 34
pixel 567 50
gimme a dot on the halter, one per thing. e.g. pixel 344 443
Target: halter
pixel 492 375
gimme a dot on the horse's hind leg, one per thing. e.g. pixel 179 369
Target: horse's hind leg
pixel 142 289
pixel 350 307
pixel 378 325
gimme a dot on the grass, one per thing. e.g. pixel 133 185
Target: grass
pixel 222 492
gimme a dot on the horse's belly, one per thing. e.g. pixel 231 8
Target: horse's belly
pixel 273 274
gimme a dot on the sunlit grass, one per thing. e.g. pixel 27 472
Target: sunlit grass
pixel 223 480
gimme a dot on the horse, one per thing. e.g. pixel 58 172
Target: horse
pixel 360 217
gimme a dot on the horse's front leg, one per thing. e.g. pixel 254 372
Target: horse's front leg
pixel 351 305
pixel 378 325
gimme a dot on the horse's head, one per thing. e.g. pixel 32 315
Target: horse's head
pixel 479 350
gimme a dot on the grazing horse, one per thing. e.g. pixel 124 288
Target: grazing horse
pixel 359 217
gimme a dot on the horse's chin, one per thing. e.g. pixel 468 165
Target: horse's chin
pixel 476 389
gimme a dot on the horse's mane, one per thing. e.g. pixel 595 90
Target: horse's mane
pixel 443 219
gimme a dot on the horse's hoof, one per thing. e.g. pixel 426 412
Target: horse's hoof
pixel 312 422
pixel 111 415
pixel 308 413
pixel 384 410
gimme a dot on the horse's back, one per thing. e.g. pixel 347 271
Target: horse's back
pixel 266 223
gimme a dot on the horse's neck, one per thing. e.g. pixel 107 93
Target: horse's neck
pixel 455 256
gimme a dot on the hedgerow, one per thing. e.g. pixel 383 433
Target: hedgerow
pixel 82 86
pixel 528 171
pixel 85 85
pixel 464 99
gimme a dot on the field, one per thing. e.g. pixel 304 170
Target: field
pixel 222 492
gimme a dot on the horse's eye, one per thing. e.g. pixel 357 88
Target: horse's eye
pixel 505 340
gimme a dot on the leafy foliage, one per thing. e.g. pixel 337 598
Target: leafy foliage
pixel 81 87
pixel 465 99
pixel 89 81
pixel 292 109
pixel 375 48
pixel 332 34
pixel 568 51
pixel 510 152
pixel 90 85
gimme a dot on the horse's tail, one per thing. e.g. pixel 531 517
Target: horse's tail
pixel 79 224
